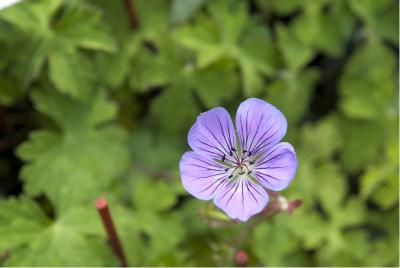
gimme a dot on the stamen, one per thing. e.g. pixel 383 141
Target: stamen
pixel 249 172
pixel 223 158
pixel 230 176
pixel 246 167
pixel 226 169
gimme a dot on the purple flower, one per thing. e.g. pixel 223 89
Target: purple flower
pixel 233 167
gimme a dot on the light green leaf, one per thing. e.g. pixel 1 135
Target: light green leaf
pixel 32 56
pixel 276 239
pixel 297 89
pixel 165 112
pixel 387 195
pixel 161 197
pixel 80 26
pixel 72 73
pixel 73 166
pixel 153 17
pixel 32 17
pixel 322 138
pixel 35 240
pixel 362 141
pixel 368 84
pixel 154 153
pixel 295 54
pixel 331 187
pixel 154 69
pixel 229 32
pixel 351 214
pixel 216 82
pixel 379 16
pixel 182 10
pixel 113 69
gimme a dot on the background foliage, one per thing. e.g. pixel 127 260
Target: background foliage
pixel 91 106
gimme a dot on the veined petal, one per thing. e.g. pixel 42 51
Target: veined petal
pixel 241 199
pixel 213 134
pixel 201 176
pixel 276 167
pixel 259 125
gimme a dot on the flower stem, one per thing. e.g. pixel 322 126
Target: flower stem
pixel 132 14
pixel 106 218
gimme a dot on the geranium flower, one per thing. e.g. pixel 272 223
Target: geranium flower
pixel 234 167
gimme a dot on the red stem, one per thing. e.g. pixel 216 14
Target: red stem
pixel 132 14
pixel 102 208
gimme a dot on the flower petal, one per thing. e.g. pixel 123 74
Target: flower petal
pixel 201 177
pixel 213 134
pixel 241 199
pixel 276 168
pixel 259 125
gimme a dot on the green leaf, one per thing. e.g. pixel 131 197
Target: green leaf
pixel 161 197
pixel 153 152
pixel 281 7
pixel 9 93
pixel 182 10
pixel 80 26
pixel 154 69
pixel 368 84
pixel 31 17
pixel 113 69
pixel 322 138
pixel 362 141
pixel 324 28
pixel 55 31
pixel 20 220
pixel 276 239
pixel 229 32
pixel 295 54
pixel 379 16
pixel 331 187
pixel 387 195
pixel 153 17
pixel 380 181
pixel 351 214
pixel 215 82
pixel 309 227
pixel 73 166
pixel 32 55
pixel 72 73
pixel 146 231
pixel 165 112
pixel 297 89
pixel 34 239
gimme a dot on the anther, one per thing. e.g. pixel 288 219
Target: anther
pixel 226 169
pixel 223 158
pixel 233 149
pixel 251 162
pixel 230 176
pixel 230 153
pixel 249 172
pixel 249 154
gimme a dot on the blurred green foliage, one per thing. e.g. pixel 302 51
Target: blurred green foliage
pixel 106 108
